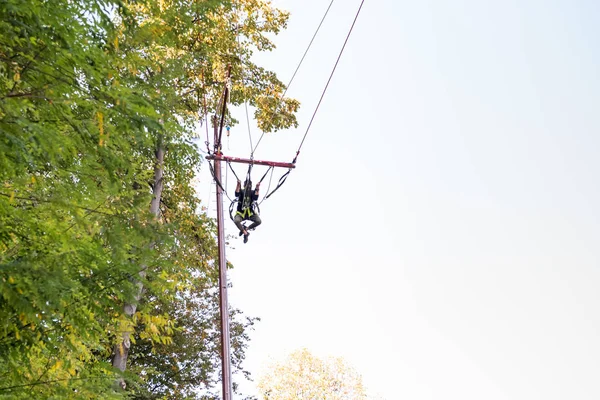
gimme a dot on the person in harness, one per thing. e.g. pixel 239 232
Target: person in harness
pixel 246 207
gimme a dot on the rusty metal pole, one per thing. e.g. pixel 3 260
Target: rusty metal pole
pixel 225 350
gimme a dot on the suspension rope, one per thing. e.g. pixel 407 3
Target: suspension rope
pixel 209 195
pixel 329 80
pixel 245 100
pixel 263 177
pixel 281 182
pixel 247 188
pixel 205 114
pixel 224 109
pixel 212 172
pixel 269 186
pixel 249 134
pixel 232 170
pixel 285 176
pixel 249 172
pixel 294 75
pixel 226 177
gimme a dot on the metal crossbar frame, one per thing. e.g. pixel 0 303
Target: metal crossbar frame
pixel 221 157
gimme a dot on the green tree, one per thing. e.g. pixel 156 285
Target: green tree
pixel 302 375
pixel 190 42
pixel 188 365
pixel 67 237
pixel 97 100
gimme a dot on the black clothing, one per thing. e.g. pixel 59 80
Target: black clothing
pixel 246 203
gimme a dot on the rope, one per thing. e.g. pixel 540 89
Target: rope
pixel 248 177
pixel 205 115
pixel 263 177
pixel 249 134
pixel 294 74
pixel 281 182
pixel 247 187
pixel 231 205
pixel 209 196
pixel 232 170
pixel 285 176
pixel 246 100
pixel 329 80
pixel 212 172
pixel 226 177
pixel 218 144
pixel 225 98
pixel 269 186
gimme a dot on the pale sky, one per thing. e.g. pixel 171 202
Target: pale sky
pixel 442 229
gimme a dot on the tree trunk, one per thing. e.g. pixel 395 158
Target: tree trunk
pixel 121 350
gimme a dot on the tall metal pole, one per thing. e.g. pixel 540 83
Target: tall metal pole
pixel 225 351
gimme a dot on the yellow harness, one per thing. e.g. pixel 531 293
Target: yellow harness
pixel 245 213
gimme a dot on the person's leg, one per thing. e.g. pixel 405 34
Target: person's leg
pixel 256 221
pixel 238 222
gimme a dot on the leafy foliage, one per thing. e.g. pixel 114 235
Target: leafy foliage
pixel 304 376
pixel 90 92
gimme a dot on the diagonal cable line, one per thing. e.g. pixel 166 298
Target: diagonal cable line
pixel 294 74
pixel 330 76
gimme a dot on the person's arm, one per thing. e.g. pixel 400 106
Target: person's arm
pixel 256 191
pixel 238 188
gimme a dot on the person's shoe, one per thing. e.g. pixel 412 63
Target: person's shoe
pixel 241 233
pixel 246 237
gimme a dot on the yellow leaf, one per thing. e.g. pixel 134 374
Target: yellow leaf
pixel 17 77
pixel 101 128
pixel 12 197
pixel 11 279
pixel 56 366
